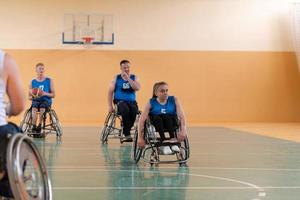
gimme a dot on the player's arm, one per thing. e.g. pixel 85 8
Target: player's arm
pixel 181 115
pixel 135 84
pixel 111 90
pixel 14 87
pixel 142 120
pixel 50 94
pixel 30 95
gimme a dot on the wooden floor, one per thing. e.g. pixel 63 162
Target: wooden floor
pixel 228 162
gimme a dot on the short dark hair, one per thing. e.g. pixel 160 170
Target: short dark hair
pixel 39 64
pixel 124 62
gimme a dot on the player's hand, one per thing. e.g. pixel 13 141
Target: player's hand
pixel 110 109
pixel 125 76
pixel 141 143
pixel 41 93
pixel 181 135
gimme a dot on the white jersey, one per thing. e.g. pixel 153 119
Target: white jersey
pixel 3 120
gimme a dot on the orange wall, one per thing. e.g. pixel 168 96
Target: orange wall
pixel 198 25
pixel 212 86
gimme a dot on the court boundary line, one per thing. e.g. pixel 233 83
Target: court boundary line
pixel 260 191
pixel 96 167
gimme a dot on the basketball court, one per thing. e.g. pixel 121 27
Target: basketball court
pixel 225 163
pixel 234 66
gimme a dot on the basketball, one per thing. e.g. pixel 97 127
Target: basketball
pixel 36 92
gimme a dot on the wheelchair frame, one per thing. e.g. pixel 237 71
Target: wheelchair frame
pixel 110 128
pixel 21 182
pixel 153 144
pixel 47 128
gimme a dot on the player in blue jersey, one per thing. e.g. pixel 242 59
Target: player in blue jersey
pixel 43 98
pixel 164 112
pixel 122 92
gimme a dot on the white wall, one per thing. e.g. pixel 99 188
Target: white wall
pixel 255 25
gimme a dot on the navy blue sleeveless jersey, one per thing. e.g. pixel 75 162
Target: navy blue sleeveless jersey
pixel 123 90
pixel 158 109
pixel 43 85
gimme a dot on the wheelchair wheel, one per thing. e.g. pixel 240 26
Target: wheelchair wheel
pixel 104 135
pixel 55 123
pixel 136 151
pixel 108 126
pixel 187 146
pixel 26 121
pixel 184 154
pixel 149 136
pixel 27 171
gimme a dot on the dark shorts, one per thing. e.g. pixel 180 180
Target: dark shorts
pixel 131 104
pixel 173 119
pixel 10 128
pixel 40 104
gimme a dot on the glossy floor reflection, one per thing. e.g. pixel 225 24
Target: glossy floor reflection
pixel 225 164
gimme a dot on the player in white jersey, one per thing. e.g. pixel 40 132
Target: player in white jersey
pixel 10 85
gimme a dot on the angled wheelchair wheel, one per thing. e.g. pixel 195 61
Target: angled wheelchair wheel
pixel 184 153
pixel 55 123
pixel 187 146
pixel 134 145
pixel 26 121
pixel 104 135
pixel 138 155
pixel 26 170
pixel 108 126
pixel 136 151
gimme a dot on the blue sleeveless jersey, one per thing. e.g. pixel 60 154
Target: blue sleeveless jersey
pixel 45 86
pixel 123 90
pixel 158 109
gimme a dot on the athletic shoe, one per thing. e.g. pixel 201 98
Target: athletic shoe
pixel 166 150
pixel 175 148
pixel 39 128
pixel 127 138
pixel 33 130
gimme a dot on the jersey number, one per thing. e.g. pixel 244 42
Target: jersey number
pixel 126 85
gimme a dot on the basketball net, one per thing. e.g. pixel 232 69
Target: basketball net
pixel 87 41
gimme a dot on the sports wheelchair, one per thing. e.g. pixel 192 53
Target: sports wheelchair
pixel 113 127
pixel 152 153
pixel 49 125
pixel 24 173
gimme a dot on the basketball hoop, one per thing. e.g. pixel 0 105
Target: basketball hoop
pixel 87 41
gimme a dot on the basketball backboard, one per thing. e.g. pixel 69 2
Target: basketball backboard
pixel 96 26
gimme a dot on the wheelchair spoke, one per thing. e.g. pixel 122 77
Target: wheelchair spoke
pixel 178 152
pixel 109 127
pixel 27 171
pixel 49 125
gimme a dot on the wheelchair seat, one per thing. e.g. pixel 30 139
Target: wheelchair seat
pixel 154 147
pixel 50 123
pixel 26 176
